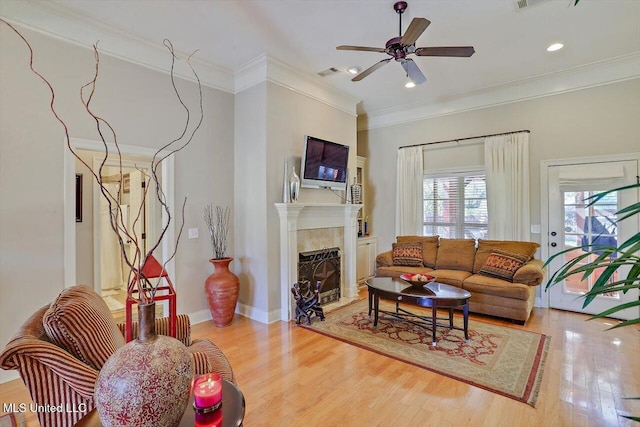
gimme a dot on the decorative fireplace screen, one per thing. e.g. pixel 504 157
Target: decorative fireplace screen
pixel 321 266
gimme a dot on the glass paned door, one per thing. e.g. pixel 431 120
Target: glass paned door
pixel 572 223
pixel 588 225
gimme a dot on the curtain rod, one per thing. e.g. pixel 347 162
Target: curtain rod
pixel 464 139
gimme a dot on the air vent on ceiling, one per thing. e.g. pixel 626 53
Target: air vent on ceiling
pixel 523 4
pixel 328 71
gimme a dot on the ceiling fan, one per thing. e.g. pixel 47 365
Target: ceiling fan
pixel 400 47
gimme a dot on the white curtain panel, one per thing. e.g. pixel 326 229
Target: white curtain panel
pixel 409 192
pixel 506 160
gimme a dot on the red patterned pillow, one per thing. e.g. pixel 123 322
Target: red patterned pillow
pixel 503 264
pixel 407 254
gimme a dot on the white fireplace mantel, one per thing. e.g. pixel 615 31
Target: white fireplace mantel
pixel 306 216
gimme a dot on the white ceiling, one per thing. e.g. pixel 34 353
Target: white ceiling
pixel 510 45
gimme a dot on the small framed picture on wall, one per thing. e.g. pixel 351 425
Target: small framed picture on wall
pixel 78 197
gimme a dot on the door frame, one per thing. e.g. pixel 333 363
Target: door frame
pixel 544 200
pixel 69 226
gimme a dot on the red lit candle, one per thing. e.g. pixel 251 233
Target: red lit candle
pixel 207 390
pixel 212 419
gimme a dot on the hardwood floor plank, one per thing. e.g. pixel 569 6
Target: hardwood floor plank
pixel 292 376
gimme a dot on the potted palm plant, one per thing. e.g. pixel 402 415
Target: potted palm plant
pixel 608 260
pixel 222 286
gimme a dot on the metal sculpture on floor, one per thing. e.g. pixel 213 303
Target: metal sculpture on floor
pixel 307 301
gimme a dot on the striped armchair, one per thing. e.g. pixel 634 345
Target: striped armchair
pixel 55 376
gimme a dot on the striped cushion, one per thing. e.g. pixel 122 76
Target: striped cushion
pixel 183 328
pixel 217 360
pixel 80 322
pixel 46 387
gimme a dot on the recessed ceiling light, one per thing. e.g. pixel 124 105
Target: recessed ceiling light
pixel 409 84
pixel 353 70
pixel 554 47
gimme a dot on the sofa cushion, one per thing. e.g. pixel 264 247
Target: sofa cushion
pixel 486 247
pixel 407 254
pixel 429 247
pixel 456 254
pixel 503 264
pixel 530 274
pixel 79 321
pixel 479 283
pixel 450 277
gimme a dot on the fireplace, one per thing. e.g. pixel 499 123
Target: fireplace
pixel 321 266
pixel 297 217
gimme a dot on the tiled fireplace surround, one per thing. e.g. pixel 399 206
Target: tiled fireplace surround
pixel 313 226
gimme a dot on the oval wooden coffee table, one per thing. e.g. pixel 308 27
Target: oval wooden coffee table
pixel 435 295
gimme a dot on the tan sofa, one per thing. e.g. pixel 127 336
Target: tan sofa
pixel 464 263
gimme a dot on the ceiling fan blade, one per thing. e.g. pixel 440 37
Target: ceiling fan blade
pixel 415 30
pixel 413 71
pixel 370 70
pixel 458 51
pixel 362 48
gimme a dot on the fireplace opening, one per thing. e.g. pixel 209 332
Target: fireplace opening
pixel 321 266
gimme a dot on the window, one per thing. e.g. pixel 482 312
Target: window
pixel 455 205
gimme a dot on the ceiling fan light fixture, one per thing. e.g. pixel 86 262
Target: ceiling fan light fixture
pixel 554 47
pixel 410 84
pixel 353 70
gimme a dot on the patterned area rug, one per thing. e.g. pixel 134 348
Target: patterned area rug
pixel 505 361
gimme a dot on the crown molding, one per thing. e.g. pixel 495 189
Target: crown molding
pixel 61 23
pixel 600 73
pixel 64 24
pixel 265 68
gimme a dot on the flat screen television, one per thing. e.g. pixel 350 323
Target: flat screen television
pixel 324 164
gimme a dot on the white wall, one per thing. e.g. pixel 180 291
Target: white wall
pixel 590 122
pixel 251 207
pixel 142 108
pixel 271 121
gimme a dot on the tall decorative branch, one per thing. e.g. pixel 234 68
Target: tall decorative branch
pixel 135 259
pixel 218 224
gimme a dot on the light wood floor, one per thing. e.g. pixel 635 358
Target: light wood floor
pixel 294 377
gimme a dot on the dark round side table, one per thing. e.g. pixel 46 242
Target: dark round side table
pixel 233 408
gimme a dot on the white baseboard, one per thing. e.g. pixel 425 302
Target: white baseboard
pixel 6 376
pixel 243 310
pixel 200 316
pixel 257 314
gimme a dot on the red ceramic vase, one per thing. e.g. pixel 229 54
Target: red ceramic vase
pixel 222 289
pixel 147 381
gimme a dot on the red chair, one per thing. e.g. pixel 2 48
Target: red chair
pixel 152 270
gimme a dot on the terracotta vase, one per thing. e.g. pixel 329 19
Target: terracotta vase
pixel 222 289
pixel 147 381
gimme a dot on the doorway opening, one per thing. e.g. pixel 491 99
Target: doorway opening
pixel 90 255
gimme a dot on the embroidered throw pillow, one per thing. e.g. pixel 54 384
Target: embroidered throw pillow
pixel 503 264
pixel 407 254
pixel 429 247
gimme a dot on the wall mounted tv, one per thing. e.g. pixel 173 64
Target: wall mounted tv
pixel 324 164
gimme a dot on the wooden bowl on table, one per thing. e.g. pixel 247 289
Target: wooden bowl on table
pixel 417 280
